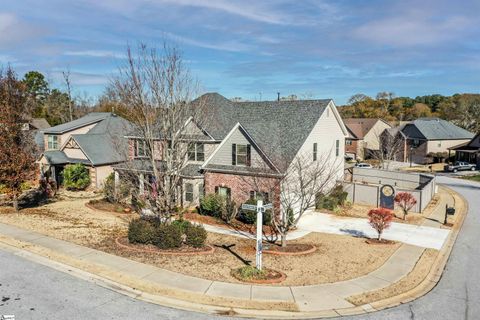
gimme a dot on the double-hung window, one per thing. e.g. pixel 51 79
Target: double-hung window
pixel 196 152
pixel 52 142
pixel 140 148
pixel 241 154
pixel 188 192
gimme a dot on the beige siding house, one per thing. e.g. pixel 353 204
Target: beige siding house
pixel 365 135
pixel 94 140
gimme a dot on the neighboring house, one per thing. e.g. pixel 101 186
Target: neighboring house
pixel 364 137
pixel 429 137
pixel 95 140
pixel 246 140
pixel 468 152
pixel 37 126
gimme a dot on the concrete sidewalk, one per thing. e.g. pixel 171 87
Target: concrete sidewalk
pixel 315 298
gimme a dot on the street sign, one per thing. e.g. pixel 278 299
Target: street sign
pixel 260 208
pixel 250 207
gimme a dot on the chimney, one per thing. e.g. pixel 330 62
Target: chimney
pixel 278 96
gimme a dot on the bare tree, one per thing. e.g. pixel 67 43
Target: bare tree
pixel 296 190
pixel 391 146
pixel 155 89
pixel 66 77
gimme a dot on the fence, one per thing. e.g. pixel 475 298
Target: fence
pixel 366 184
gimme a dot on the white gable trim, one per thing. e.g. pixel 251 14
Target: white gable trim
pixel 190 120
pixel 79 146
pixel 333 107
pixel 245 132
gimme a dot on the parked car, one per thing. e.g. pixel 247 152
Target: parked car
pixel 363 165
pixel 460 166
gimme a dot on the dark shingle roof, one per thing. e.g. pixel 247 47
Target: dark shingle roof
pixel 104 143
pixel 437 129
pixel 59 157
pixel 278 127
pixel 39 123
pixel 78 123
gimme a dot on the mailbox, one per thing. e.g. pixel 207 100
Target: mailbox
pixel 451 211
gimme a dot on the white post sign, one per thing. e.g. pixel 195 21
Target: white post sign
pixel 260 208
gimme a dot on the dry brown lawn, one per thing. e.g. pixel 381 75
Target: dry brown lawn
pixel 412 280
pixel 337 258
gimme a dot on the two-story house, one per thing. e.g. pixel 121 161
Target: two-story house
pixel 95 140
pixel 242 141
pixel 364 136
pixel 429 136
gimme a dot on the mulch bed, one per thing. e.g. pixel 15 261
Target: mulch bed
pixel 270 276
pixel 234 225
pixel 293 249
pixel 376 241
pixel 104 205
pixel 150 248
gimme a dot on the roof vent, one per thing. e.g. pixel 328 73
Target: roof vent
pixel 278 96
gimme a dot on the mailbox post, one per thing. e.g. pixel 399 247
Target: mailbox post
pixel 449 211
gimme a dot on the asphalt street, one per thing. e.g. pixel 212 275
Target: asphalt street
pixel 33 291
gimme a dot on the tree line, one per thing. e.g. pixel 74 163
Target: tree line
pixel 461 109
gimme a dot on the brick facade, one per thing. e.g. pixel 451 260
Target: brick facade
pixel 352 147
pixel 242 185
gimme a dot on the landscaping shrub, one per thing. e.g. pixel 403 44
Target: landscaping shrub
pixel 109 193
pixel 168 236
pixel 335 198
pixel 76 177
pixel 250 272
pixel 406 201
pixel 212 205
pixel 229 211
pixel 380 219
pixel 182 224
pixel 141 231
pixel 195 236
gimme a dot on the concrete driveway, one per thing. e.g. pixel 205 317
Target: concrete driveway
pixel 421 236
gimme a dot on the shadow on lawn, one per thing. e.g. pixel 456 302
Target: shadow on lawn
pixel 236 255
pixel 355 233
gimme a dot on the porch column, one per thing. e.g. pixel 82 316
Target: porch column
pixel 116 182
pixel 142 184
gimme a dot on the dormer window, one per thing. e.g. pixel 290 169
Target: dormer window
pixel 52 142
pixel 241 154
pixel 140 148
pixel 196 152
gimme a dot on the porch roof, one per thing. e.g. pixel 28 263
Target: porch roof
pixel 59 157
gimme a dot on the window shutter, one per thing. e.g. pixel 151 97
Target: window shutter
pixel 234 154
pixel 216 189
pixel 248 155
pixel 229 193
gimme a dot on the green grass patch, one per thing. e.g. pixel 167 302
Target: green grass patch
pixel 472 178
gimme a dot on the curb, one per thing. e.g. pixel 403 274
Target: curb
pixel 21 248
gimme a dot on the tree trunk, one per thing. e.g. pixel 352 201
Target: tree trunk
pixel 404 215
pixel 379 236
pixel 15 203
pixel 284 240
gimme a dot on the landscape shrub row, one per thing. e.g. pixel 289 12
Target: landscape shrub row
pixel 166 236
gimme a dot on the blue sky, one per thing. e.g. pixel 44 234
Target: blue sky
pixel 252 49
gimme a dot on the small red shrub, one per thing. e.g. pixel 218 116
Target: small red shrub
pixel 380 219
pixel 406 201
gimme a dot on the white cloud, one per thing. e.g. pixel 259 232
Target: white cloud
pixel 13 30
pixel 413 28
pixel 232 46
pixel 95 54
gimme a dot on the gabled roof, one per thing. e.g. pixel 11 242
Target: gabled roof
pixel 86 120
pixel 435 129
pixel 361 126
pixel 104 143
pixel 278 127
